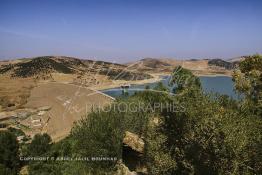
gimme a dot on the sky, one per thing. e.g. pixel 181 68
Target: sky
pixel 127 30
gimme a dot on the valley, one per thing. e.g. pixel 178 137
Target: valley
pixel 48 94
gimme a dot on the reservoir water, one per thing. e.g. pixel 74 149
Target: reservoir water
pixel 218 84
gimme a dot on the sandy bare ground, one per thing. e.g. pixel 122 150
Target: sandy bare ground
pixel 68 104
pixel 14 92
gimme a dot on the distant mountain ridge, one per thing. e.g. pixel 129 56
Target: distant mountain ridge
pixel 154 63
pixel 222 63
pixel 199 66
pixel 40 67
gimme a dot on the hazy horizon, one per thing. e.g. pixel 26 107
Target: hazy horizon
pixel 125 31
pixel 123 61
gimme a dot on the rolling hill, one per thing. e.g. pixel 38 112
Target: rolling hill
pixel 197 66
pixel 18 77
pixel 44 67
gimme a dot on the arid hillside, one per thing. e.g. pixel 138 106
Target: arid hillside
pixel 44 68
pixel 50 93
pixel 37 94
pixel 18 77
pixel 197 66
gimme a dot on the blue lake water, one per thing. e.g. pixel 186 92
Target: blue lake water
pixel 219 84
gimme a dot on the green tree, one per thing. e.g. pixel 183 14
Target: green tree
pixel 100 134
pixel 5 170
pixel 184 80
pixel 40 145
pixel 248 81
pixel 45 168
pixel 211 136
pixel 9 151
pixel 157 154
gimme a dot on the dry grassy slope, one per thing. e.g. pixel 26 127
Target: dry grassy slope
pixel 166 63
pixel 68 104
pixel 18 77
pixel 162 65
pixel 43 68
pixel 14 92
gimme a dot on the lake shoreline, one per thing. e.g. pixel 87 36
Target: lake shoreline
pixel 213 75
pixel 217 84
pixel 157 78
pixel 118 83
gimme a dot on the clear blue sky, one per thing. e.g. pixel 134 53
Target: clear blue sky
pixel 125 30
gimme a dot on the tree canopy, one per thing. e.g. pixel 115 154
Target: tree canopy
pixel 9 150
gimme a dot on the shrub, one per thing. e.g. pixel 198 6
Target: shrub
pixel 9 151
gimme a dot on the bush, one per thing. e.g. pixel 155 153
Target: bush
pixel 40 145
pixel 9 151
pixel 100 134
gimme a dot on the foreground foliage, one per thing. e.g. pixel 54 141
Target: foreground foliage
pixel 9 150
